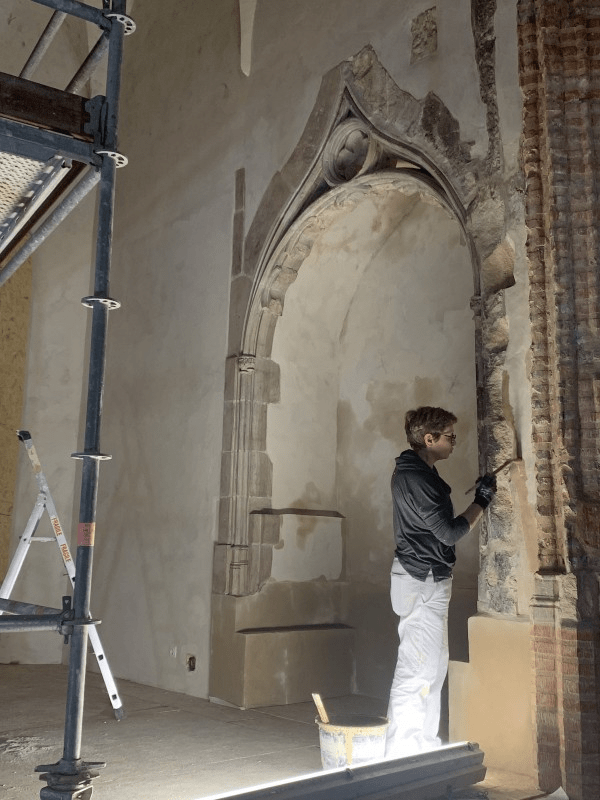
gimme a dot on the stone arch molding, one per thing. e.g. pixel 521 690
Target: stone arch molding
pixel 282 268
pixel 365 134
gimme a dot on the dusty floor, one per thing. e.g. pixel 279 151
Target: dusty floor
pixel 169 746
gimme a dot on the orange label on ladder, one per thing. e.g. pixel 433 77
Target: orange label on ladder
pixel 85 534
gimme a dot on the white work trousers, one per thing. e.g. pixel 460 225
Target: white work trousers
pixel 414 706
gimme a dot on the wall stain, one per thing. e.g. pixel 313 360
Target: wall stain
pixel 390 401
pixel 369 540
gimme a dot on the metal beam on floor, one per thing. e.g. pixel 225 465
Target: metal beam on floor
pixel 428 776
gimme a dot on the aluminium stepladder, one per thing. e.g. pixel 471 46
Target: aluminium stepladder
pixel 44 502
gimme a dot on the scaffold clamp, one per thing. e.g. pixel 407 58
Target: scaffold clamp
pixel 126 21
pixel 119 159
pixel 109 302
pixel 95 456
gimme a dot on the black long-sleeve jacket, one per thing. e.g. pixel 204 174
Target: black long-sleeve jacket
pixel 425 527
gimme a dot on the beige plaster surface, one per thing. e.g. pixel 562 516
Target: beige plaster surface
pixel 21 25
pixel 287 666
pixel 227 652
pixel 292 603
pixel 14 327
pixel 309 548
pixel 496 685
pixel 376 638
pixel 283 663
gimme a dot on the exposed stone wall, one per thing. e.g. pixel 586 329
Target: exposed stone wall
pixel 560 77
pixel 424 35
pixel 489 216
pixel 482 23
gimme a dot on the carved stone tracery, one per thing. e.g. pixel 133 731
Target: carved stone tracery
pixel 351 151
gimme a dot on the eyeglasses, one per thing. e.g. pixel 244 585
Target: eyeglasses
pixel 451 436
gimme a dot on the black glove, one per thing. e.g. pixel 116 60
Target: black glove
pixel 485 491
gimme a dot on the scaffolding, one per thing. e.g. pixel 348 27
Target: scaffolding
pixel 55 146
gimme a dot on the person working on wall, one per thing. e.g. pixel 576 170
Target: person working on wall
pixel 425 531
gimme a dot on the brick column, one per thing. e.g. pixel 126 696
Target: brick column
pixel 545 614
pixel 559 52
pixel 579 656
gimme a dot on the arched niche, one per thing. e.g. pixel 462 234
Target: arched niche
pixel 376 320
pixel 304 545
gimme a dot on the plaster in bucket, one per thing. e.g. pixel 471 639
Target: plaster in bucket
pixel 352 739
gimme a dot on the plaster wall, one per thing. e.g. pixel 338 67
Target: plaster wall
pixel 405 343
pixel 366 322
pixel 419 350
pixel 308 549
pixel 21 25
pixel 190 119
pixel 166 354
pixel 14 328
pixel 496 684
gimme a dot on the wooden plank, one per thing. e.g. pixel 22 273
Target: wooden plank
pixel 42 106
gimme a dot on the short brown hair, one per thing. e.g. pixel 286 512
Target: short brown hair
pixel 424 420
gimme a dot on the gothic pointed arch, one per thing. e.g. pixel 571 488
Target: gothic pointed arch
pixel 364 132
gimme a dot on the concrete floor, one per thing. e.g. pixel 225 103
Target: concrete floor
pixel 170 746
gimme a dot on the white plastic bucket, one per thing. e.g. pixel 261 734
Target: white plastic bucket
pixel 351 739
